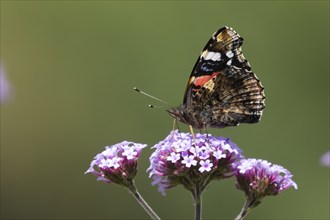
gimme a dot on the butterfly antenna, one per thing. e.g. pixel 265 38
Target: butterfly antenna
pixel 150 96
pixel 155 106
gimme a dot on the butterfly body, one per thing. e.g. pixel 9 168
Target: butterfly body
pixel 222 90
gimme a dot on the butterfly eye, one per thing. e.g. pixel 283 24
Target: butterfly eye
pixel 183 114
pixel 173 112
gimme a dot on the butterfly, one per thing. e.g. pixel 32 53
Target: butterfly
pixel 222 90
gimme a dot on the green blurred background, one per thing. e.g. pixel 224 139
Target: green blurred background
pixel 72 66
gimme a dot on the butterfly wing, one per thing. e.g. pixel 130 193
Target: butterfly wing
pixel 238 97
pixel 223 85
pixel 221 51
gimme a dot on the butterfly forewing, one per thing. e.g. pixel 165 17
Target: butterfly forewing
pixel 222 90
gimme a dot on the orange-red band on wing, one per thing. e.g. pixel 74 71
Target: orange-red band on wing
pixel 201 80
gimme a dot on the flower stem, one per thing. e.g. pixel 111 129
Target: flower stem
pixel 245 210
pixel 198 202
pixel 142 202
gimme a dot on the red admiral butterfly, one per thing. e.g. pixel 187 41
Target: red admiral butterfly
pixel 222 90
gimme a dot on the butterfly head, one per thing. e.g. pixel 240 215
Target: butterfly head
pixel 195 117
pixel 178 113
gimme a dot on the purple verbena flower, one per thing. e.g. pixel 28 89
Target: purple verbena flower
pixel 189 161
pixel 325 159
pixel 181 159
pixel 4 86
pixel 117 163
pixel 259 178
pixel 205 166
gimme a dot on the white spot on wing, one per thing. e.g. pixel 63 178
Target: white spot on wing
pixel 209 55
pixel 230 54
pixel 214 56
pixel 229 62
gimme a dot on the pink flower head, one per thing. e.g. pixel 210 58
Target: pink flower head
pixel 181 159
pixel 117 163
pixel 259 178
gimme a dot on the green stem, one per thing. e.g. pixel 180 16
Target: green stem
pixel 142 202
pixel 198 202
pixel 245 210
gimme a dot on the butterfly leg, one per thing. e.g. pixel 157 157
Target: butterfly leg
pixel 207 133
pixel 175 125
pixel 193 134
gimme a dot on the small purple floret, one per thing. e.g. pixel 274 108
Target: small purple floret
pixel 205 166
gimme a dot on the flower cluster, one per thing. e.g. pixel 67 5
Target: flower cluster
pixel 192 161
pixel 117 163
pixel 325 159
pixel 183 159
pixel 259 178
